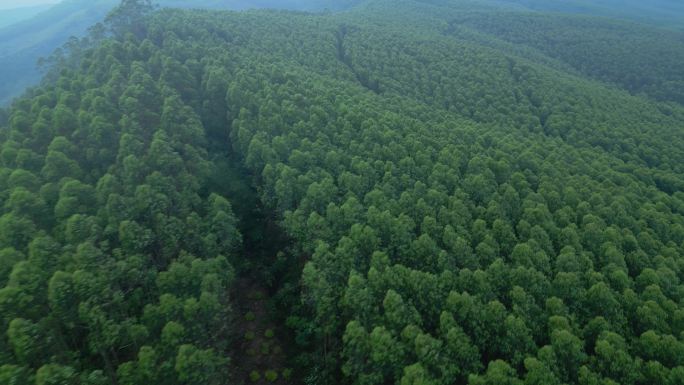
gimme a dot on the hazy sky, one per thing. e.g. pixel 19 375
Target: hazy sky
pixel 8 4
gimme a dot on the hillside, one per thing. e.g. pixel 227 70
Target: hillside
pixel 23 43
pixel 640 60
pixel 15 15
pixel 36 32
pixel 660 13
pixel 403 193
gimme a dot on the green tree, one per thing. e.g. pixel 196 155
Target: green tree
pixel 195 366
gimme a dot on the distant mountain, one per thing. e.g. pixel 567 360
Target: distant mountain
pixel 23 43
pixel 300 5
pixel 15 15
pixel 14 4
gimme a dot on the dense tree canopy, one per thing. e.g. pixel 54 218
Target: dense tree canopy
pixel 641 60
pixel 458 212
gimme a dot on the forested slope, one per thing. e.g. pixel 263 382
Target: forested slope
pixel 660 13
pixel 457 213
pixel 14 15
pixel 638 59
pixel 24 43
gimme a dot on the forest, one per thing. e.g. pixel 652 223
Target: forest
pixel 29 34
pixel 661 13
pixel 410 192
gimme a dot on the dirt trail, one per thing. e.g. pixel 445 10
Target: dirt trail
pixel 259 355
pixel 257 351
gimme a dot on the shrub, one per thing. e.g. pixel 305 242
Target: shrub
pixel 271 375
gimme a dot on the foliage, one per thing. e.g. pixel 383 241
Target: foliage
pixel 271 375
pixel 640 60
pixel 462 213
